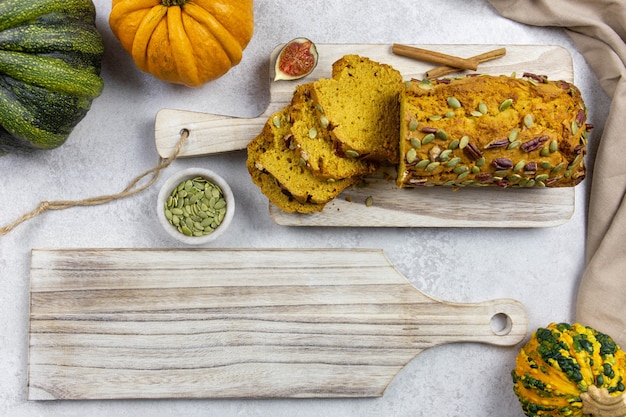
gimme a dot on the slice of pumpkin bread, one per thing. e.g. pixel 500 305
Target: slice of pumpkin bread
pixel 268 184
pixel 362 105
pixel 312 141
pixel 270 152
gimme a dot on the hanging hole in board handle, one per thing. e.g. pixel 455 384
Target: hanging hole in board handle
pixel 501 324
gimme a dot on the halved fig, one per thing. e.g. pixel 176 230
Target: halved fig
pixel 296 59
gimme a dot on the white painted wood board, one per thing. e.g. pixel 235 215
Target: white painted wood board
pixel 204 323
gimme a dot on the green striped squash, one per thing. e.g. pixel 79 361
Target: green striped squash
pixel 50 60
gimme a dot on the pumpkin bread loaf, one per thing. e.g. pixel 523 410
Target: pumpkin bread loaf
pixel 361 105
pixel 312 142
pixel 270 153
pixel 492 130
pixel 479 130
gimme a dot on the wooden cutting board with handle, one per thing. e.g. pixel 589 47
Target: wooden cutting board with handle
pixel 431 207
pixel 204 323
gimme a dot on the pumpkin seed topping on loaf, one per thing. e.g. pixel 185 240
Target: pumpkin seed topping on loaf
pixel 492 130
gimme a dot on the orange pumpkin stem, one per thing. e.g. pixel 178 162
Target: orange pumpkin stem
pixel 599 403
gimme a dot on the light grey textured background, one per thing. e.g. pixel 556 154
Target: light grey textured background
pixel 115 142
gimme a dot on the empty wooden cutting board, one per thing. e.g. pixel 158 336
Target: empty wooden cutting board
pixel 128 323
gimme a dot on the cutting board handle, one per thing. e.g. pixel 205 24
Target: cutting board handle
pixel 208 133
pixel 501 322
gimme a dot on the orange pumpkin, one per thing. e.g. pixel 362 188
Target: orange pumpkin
pixel 186 42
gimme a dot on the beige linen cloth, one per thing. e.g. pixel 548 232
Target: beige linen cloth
pixel 598 27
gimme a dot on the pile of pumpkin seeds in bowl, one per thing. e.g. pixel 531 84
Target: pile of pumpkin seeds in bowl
pixel 196 207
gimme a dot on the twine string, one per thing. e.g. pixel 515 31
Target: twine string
pixel 130 190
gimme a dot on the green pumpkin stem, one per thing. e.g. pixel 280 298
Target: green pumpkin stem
pixel 170 3
pixel 599 403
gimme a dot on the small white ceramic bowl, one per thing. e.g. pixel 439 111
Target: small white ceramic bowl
pixel 172 182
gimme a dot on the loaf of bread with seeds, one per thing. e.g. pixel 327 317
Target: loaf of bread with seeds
pixel 360 105
pixel 277 169
pixel 492 130
pixel 312 141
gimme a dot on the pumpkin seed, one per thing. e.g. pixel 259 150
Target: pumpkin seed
pixel 480 162
pixel 453 162
pixel 422 164
pixel 428 138
pixel 352 153
pixel 533 81
pixel 413 125
pixel 445 155
pixel 574 162
pixel 432 166
pixel 369 201
pixel 513 135
pixel 505 104
pixel 441 134
pixel 519 166
pixel 544 151
pixel 425 84
pixel 454 102
pixel 554 146
pixel 324 121
pixel 476 113
pixel 529 120
pixel 482 107
pixel 461 169
pixel 514 145
pixel 558 168
pixel 463 142
pixel 416 143
pixel 434 117
pixel 220 204
pixel 454 144
pixel 450 114
pixel 312 133
pixel 411 156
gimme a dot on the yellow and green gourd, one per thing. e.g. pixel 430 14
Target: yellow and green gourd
pixel 561 366
pixel 50 61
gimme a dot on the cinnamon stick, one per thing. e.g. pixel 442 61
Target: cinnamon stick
pixel 446 69
pixel 435 57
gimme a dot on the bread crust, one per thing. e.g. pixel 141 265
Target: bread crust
pixel 492 130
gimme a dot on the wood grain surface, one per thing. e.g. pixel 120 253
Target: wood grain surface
pixel 431 207
pixel 203 323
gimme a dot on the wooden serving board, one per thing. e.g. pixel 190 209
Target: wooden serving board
pixel 203 323
pixel 432 207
